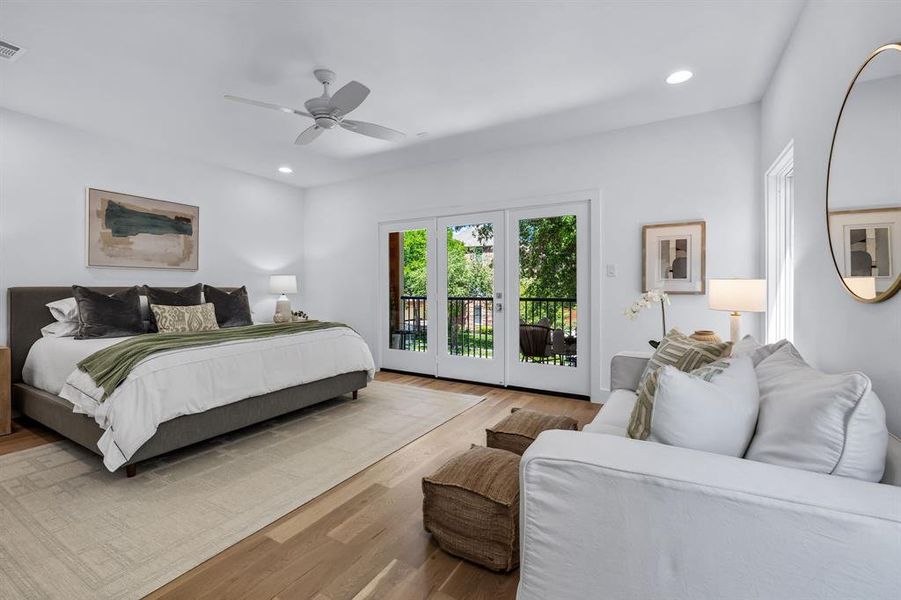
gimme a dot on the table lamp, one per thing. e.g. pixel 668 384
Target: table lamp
pixel 283 285
pixel 737 296
pixel 862 287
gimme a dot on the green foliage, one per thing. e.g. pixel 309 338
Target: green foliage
pixel 468 274
pixel 547 257
pixel 415 276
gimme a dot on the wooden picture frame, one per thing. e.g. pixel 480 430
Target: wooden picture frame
pixel 134 232
pixel 888 219
pixel 674 257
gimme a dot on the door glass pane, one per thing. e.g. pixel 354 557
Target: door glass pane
pixel 470 287
pixel 548 315
pixel 407 292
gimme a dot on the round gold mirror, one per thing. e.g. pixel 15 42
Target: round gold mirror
pixel 863 182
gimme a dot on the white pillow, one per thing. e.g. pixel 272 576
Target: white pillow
pixel 745 346
pixel 748 346
pixel 715 416
pixel 64 310
pixel 60 329
pixel 818 422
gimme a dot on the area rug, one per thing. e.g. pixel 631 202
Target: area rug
pixel 71 529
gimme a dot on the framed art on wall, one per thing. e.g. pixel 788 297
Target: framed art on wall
pixel 137 232
pixel 866 246
pixel 674 257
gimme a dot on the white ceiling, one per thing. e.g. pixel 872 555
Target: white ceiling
pixel 477 76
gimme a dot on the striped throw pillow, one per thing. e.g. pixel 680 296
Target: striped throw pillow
pixel 685 354
pixel 674 347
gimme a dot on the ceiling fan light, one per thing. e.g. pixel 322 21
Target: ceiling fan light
pixel 677 77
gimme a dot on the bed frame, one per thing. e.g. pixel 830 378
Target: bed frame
pixel 28 313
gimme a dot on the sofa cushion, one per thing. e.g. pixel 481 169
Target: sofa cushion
pixel 749 346
pixel 712 409
pixel 614 416
pixel 892 475
pixel 816 421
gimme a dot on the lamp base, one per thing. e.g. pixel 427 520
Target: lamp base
pixel 282 310
pixel 735 326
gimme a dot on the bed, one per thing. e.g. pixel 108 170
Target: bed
pixel 207 417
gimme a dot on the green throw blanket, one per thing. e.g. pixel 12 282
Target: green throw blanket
pixel 109 367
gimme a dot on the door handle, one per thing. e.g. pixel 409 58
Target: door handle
pixel 498 307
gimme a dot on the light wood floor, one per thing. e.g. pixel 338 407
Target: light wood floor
pixel 364 537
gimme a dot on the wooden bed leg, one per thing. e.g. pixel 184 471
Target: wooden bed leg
pixel 355 394
pixel 131 470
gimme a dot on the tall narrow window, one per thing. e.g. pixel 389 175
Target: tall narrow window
pixel 779 247
pixel 407 295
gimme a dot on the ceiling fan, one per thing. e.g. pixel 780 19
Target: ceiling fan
pixel 330 110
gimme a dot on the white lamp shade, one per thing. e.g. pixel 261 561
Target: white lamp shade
pixel 737 295
pixel 862 287
pixel 282 284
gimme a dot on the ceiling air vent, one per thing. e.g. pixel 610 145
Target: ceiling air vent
pixel 10 52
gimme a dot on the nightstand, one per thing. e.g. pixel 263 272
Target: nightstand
pixel 5 383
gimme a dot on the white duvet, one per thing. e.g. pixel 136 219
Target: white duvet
pixel 186 381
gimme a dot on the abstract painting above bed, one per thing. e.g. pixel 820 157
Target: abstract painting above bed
pixel 132 231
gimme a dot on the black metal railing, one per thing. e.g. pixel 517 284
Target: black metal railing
pixel 548 329
pixel 411 333
pixel 470 327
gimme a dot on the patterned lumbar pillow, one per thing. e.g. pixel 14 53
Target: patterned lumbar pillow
pixel 182 319
pixel 681 352
pixel 189 296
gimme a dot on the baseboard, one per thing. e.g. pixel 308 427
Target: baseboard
pixel 493 385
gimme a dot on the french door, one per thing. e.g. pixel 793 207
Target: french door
pixel 497 297
pixel 471 293
pixel 407 259
pixel 549 342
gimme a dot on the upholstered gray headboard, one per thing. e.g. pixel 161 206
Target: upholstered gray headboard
pixel 28 313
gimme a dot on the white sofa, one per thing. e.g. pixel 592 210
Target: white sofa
pixel 608 517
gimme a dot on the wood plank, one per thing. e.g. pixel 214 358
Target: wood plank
pixel 363 539
pixel 26 434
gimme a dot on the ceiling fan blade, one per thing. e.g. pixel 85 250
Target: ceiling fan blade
pixel 283 109
pixel 308 135
pixel 372 130
pixel 348 98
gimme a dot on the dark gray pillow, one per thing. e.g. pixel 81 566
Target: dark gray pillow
pixel 232 308
pixel 189 296
pixel 102 316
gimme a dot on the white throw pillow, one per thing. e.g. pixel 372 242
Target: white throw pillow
pixel 816 421
pixel 64 310
pixel 60 329
pixel 749 346
pixel 713 416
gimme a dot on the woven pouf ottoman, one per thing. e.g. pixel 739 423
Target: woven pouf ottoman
pixel 518 430
pixel 471 507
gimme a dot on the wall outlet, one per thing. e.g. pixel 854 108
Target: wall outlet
pixel 611 270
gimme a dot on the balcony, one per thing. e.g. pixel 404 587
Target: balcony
pixel 547 328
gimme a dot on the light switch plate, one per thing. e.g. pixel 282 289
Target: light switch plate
pixel 611 270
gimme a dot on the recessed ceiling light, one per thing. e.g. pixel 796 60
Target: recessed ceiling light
pixel 679 77
pixel 285 170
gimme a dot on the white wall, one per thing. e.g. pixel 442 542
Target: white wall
pixel 249 226
pixel 700 167
pixel 832 330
